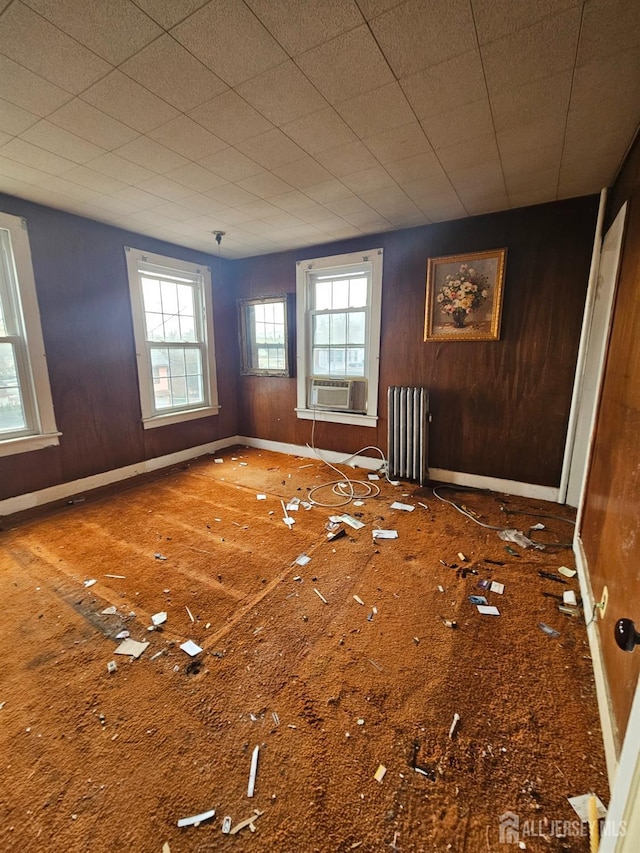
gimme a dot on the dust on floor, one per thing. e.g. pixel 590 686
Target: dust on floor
pixel 329 686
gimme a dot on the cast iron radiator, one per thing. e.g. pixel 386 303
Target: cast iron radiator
pixel 408 430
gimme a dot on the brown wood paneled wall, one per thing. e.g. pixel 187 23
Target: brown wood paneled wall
pixel 83 295
pixel 610 525
pixel 499 409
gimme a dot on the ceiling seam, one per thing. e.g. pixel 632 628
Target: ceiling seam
pixel 573 77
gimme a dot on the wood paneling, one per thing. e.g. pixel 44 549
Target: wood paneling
pixel 500 408
pixel 83 294
pixel 610 519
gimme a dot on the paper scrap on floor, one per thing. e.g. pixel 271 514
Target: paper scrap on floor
pixel 580 805
pixel 191 648
pixel 351 521
pixel 385 534
pixel 261 497
pixel 159 618
pixel 405 507
pixel 496 587
pixel 567 573
pixel 131 647
pixel 488 610
pixel 569 597
pixel 303 560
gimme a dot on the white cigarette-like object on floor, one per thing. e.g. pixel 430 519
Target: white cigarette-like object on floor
pixel 253 771
pixel 190 613
pixel 456 717
pixel 320 595
pixel 196 818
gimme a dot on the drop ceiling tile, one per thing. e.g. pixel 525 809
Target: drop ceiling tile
pixel 459 125
pixel 444 210
pixel 91 124
pixel 38 158
pixel 121 169
pixel 368 180
pixel 594 175
pixel 188 138
pixel 421 191
pixel 300 26
pixel 480 203
pixel 541 50
pixel 140 199
pixel 316 216
pixel 470 153
pixel 231 195
pixel 203 205
pixel 546 133
pixel 231 164
pixel 227 37
pixel 446 86
pixel 114 30
pixel 25 89
pixel 303 173
pixel 497 18
pixel 52 138
pixel 113 205
pixel 414 168
pixel 259 209
pixel 174 211
pixel 547 97
pixel 346 66
pixel 151 154
pixel 231 216
pixel 150 218
pixel 347 159
pixel 18 171
pixel 170 12
pixel 350 205
pixel 164 187
pixel 319 131
pixel 13 119
pixel 195 177
pixel 527 198
pixel 534 159
pixel 528 181
pixel 294 201
pixel 282 94
pixel 392 198
pixel 32 41
pixel 377 111
pixel 398 144
pixel 172 73
pixel 264 185
pixel 288 221
pixel 328 190
pixel 608 27
pixel 486 178
pixel 608 144
pixel 125 100
pixel 4 138
pixel 372 8
pixel 100 184
pixel 595 82
pixel 369 220
pixel 231 118
pixel 67 188
pixel 271 149
pixel 416 35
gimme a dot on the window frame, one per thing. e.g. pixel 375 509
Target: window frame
pixel 373 259
pixel 152 416
pixel 21 309
pixel 247 368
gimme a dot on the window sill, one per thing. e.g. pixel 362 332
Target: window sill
pixel 29 442
pixel 179 417
pixel 337 417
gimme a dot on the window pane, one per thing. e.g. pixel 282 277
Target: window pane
pixel 357 292
pixel 338 329
pixel 321 361
pixel 323 295
pixel 185 300
pixel 193 362
pixel 278 333
pixel 169 294
pixel 337 362
pixel 268 312
pixel 355 361
pixel 263 358
pixel 151 295
pixel 155 327
pixel 11 409
pixel 178 391
pixel 194 389
pixel 258 312
pixel 160 372
pixel 340 294
pixel 171 328
pixel 176 362
pixel 356 327
pixel 187 328
pixel 3 325
pixel 261 337
pixel 278 312
pixel 321 329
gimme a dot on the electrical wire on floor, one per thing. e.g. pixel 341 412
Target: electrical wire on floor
pixel 346 488
pixel 498 528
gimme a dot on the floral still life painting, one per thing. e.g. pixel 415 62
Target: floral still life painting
pixel 464 297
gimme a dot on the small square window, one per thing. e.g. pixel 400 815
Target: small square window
pixel 264 336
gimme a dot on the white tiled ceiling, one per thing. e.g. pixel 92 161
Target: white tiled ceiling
pixel 288 123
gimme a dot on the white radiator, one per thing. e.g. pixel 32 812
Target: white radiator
pixel 408 429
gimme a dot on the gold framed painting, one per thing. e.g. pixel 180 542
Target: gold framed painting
pixel 464 296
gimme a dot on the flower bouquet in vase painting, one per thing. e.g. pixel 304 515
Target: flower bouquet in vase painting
pixel 462 294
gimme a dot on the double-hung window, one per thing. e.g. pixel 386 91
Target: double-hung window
pixel 173 326
pixel 339 304
pixel 264 336
pixel 26 410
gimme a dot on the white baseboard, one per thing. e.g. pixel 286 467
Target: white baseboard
pixel 602 690
pixel 75 487
pixel 494 484
pixel 333 456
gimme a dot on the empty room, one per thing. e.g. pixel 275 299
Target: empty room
pixel 319 417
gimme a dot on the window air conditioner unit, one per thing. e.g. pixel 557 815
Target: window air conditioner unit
pixel 343 395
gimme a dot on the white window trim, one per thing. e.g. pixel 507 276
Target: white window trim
pixel 46 433
pixel 150 418
pixel 375 258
